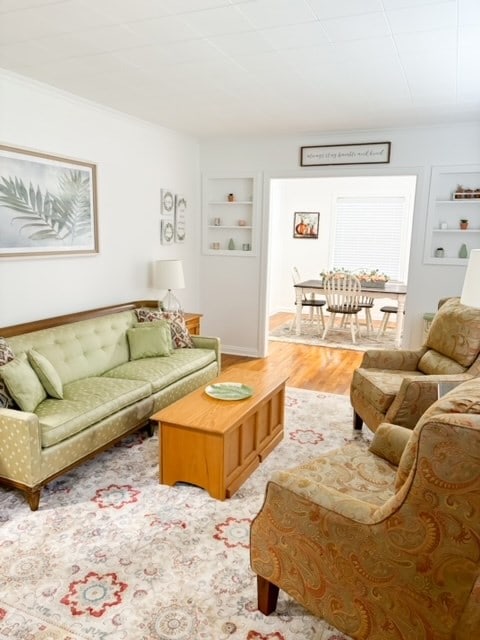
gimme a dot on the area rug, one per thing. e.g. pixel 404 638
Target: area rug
pixel 113 555
pixel 336 339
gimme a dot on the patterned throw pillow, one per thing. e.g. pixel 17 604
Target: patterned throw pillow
pixel 6 354
pixel 180 336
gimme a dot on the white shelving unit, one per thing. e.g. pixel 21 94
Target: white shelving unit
pixel 223 221
pixel 445 212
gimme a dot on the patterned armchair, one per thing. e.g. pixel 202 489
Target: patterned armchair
pixel 398 386
pixel 380 551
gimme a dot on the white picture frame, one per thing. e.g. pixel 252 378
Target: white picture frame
pixel 167 202
pixel 167 231
pixel 180 213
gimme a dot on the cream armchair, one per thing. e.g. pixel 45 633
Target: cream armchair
pixel 398 386
pixel 380 551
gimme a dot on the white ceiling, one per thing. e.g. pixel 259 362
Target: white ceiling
pixel 233 67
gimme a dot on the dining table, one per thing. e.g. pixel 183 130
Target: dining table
pixel 392 290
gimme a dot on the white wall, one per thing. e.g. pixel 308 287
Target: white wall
pixel 134 161
pixel 414 152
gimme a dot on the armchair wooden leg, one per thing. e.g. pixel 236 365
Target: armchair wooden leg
pixel 357 422
pixel 267 594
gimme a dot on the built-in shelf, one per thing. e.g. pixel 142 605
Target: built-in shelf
pixel 225 221
pixel 444 209
pixel 230 204
pixel 459 201
pixel 464 231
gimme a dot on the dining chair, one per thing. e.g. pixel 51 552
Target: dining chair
pixel 313 304
pixel 366 303
pixel 387 311
pixel 343 291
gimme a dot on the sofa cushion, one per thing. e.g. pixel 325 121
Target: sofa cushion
pixel 452 320
pixel 161 372
pixel 434 363
pixel 23 383
pixel 47 374
pixel 351 470
pixel 6 355
pixel 158 323
pixel 148 341
pixel 380 386
pixel 180 335
pixel 86 402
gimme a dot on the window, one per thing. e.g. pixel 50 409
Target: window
pixel 373 233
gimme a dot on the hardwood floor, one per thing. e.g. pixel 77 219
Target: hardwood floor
pixel 316 368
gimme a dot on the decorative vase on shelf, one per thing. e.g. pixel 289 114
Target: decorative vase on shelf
pixel 231 244
pixel 463 253
pixel 464 224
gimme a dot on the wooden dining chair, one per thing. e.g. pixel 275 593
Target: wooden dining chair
pixel 387 311
pixel 343 291
pixel 313 304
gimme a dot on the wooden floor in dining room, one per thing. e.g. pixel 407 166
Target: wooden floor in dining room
pixel 315 368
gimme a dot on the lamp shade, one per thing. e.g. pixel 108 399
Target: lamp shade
pixel 168 274
pixel 471 284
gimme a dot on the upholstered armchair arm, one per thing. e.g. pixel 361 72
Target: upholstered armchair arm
pixel 389 442
pixel 403 359
pixel 327 498
pixel 20 446
pixel 416 395
pixel 206 342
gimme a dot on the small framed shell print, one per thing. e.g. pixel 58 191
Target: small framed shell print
pixel 167 232
pixel 167 202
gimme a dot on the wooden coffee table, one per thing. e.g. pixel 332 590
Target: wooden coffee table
pixel 216 444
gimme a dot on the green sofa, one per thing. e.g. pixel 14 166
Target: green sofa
pixel 106 393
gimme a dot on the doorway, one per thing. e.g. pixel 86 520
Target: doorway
pixel 312 255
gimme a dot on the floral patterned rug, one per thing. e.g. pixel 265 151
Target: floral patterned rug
pixel 113 555
pixel 335 339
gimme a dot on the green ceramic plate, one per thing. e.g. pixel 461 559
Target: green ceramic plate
pixel 229 391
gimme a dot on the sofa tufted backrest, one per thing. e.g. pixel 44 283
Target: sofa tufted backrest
pixel 81 349
pixel 453 342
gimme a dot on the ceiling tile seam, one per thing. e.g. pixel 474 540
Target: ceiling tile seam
pixel 399 57
pixel 20 9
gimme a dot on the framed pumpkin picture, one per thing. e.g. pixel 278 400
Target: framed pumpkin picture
pixel 305 224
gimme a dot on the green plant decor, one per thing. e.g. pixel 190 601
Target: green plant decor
pixel 60 216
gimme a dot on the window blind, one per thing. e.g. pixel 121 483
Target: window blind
pixel 371 233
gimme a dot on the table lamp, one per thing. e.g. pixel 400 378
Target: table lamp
pixel 471 285
pixel 168 274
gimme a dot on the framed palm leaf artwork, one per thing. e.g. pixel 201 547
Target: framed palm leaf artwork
pixel 48 204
